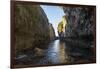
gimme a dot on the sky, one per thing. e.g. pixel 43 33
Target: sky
pixel 54 14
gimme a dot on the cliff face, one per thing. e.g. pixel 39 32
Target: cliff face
pixel 51 32
pixel 61 27
pixel 80 29
pixel 80 21
pixel 31 27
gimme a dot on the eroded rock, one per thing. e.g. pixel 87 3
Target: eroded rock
pixel 32 28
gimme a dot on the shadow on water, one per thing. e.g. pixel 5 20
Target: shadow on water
pixel 58 52
pixel 54 54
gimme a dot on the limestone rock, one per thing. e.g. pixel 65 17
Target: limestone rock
pixel 80 21
pixel 39 52
pixel 51 31
pixel 31 27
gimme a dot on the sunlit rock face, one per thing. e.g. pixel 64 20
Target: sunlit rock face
pixel 62 27
pixel 80 21
pixel 31 27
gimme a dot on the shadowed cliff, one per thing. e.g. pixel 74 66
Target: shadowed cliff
pixel 80 21
pixel 32 27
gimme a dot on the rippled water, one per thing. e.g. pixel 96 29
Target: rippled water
pixel 58 52
pixel 55 53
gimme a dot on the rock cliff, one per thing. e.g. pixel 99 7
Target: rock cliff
pixel 51 32
pixel 80 30
pixel 32 28
pixel 80 21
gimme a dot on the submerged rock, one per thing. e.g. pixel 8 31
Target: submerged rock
pixel 21 57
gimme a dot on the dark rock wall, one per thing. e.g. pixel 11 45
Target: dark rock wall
pixel 80 30
pixel 52 33
pixel 31 27
pixel 80 21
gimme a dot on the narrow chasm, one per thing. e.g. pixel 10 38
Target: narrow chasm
pixel 36 41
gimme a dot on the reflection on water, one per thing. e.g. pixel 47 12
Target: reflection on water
pixel 62 54
pixel 58 52
pixel 55 53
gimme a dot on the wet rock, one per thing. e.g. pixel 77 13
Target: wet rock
pixel 38 52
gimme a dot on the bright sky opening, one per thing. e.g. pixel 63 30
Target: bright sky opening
pixel 54 14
